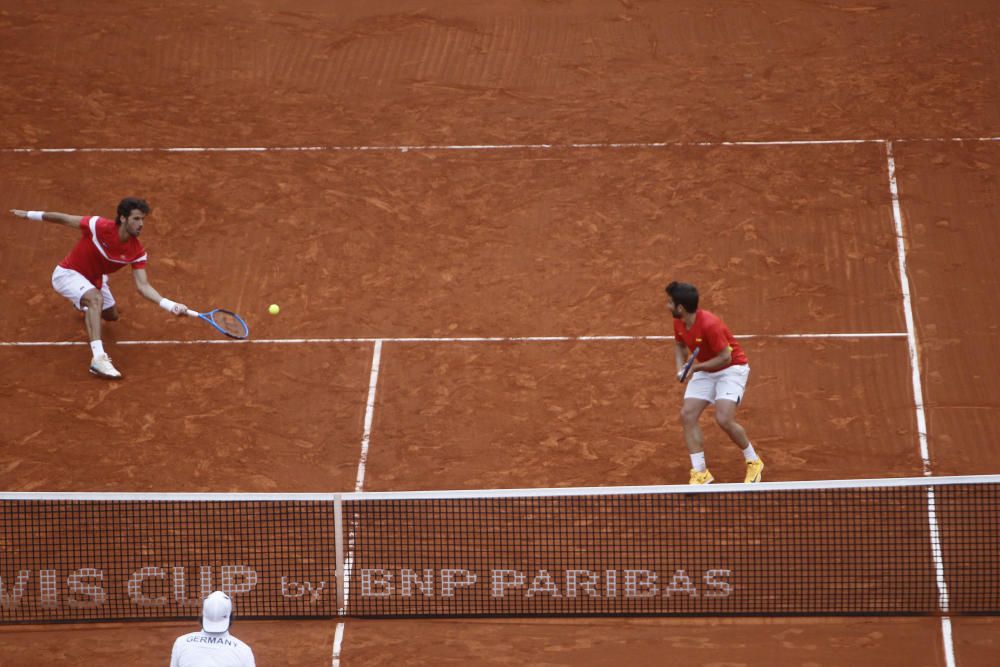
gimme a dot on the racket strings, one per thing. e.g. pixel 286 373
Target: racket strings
pixel 230 323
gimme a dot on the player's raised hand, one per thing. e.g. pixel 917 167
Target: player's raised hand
pixel 179 309
pixel 29 215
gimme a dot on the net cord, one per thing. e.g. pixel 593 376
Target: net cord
pixel 682 489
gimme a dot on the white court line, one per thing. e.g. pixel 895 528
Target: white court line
pixel 477 147
pixel 359 484
pixel 949 645
pixel 338 641
pixel 431 339
pixel 369 416
pixel 911 335
pixel 918 400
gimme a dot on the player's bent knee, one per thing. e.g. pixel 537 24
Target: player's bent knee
pixel 726 420
pixel 92 301
pixel 110 314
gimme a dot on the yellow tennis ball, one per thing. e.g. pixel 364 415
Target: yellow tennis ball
pixel 273 309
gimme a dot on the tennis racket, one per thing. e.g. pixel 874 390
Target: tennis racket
pixel 225 321
pixel 688 365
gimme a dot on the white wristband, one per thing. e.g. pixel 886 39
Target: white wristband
pixel 167 304
pixel 35 215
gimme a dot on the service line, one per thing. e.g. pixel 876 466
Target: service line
pixel 435 339
pixel 476 147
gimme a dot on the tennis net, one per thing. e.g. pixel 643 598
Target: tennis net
pixel 898 547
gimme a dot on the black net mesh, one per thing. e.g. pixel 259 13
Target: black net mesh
pixel 909 549
pixel 100 560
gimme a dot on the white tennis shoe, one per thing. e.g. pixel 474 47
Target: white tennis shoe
pixel 101 366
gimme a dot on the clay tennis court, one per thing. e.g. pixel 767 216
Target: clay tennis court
pixel 468 215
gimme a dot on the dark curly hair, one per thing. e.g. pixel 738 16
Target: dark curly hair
pixel 129 204
pixel 684 294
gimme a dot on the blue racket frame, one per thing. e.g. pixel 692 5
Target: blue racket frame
pixel 210 318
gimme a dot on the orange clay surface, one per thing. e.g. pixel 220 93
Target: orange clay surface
pixel 563 241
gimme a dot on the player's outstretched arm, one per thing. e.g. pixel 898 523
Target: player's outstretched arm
pixel 72 221
pixel 148 291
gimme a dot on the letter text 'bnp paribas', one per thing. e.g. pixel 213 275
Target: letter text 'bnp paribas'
pixel 573 583
pixel 160 586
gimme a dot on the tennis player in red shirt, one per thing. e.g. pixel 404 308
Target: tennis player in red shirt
pixel 105 246
pixel 719 375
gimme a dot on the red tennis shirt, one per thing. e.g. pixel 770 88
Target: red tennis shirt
pixel 710 334
pixel 99 251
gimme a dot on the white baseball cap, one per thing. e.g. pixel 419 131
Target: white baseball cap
pixel 215 612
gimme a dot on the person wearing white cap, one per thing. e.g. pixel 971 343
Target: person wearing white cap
pixel 212 646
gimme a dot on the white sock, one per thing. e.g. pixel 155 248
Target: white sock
pixel 698 461
pixel 97 347
pixel 749 454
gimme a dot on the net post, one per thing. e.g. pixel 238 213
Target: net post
pixel 338 520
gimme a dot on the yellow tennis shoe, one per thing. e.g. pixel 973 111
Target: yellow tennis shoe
pixel 754 469
pixel 703 477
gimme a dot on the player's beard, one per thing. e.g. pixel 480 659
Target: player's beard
pixel 676 314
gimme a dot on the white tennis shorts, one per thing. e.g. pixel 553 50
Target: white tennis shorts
pixel 728 384
pixel 73 285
